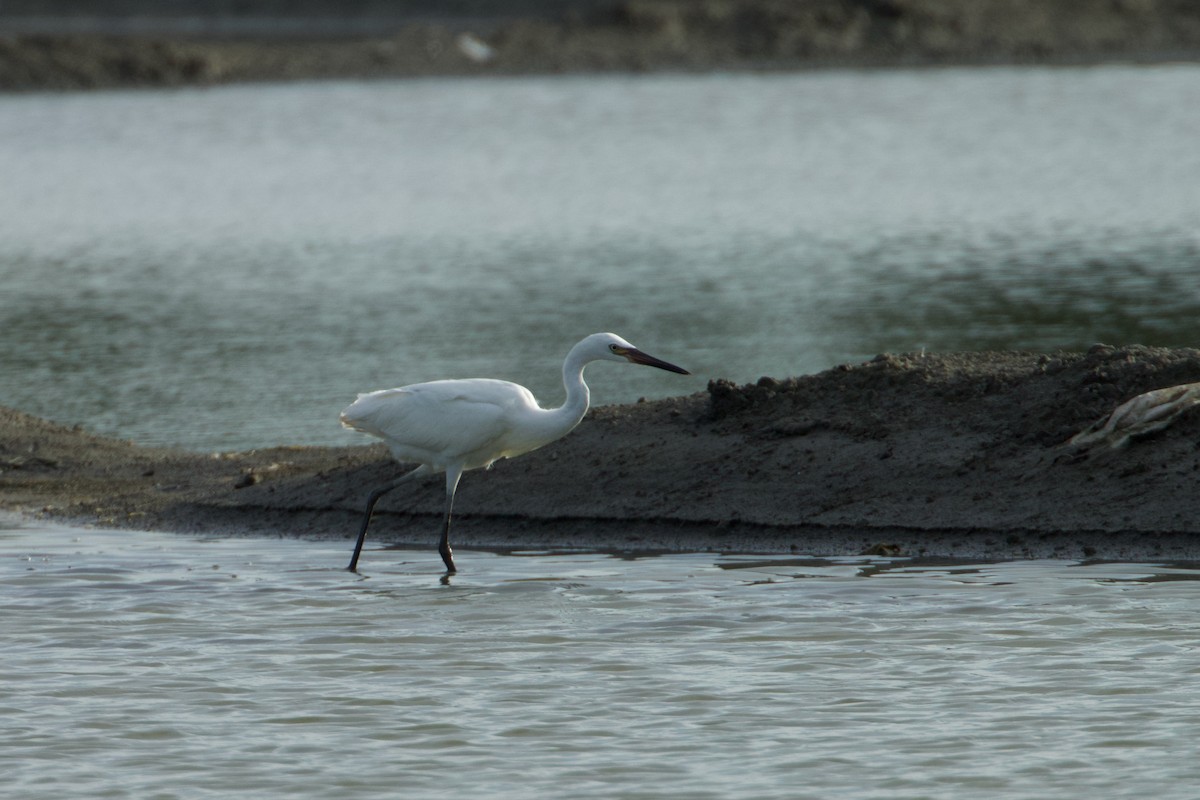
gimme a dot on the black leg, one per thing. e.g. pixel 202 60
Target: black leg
pixel 447 554
pixel 444 547
pixel 372 499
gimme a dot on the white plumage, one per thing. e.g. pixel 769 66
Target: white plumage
pixel 412 421
pixel 453 426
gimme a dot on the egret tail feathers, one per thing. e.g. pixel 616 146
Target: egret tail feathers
pixel 364 414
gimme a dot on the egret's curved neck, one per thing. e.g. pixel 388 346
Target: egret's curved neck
pixel 570 413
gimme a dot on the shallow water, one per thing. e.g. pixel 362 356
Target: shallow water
pixel 153 665
pixel 226 267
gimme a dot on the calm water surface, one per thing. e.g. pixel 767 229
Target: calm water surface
pixel 225 268
pixel 151 665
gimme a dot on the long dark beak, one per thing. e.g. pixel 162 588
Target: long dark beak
pixel 638 357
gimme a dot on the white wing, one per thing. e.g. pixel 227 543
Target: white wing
pixel 443 422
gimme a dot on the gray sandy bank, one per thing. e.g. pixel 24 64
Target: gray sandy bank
pixel 61 48
pixel 954 455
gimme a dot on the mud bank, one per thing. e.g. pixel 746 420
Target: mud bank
pixel 958 455
pixel 636 35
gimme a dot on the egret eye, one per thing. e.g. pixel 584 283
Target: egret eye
pixel 614 348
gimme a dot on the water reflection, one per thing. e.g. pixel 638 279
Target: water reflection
pixel 147 662
pixel 1069 298
pixel 957 570
pixel 224 268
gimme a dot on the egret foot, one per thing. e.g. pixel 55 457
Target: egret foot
pixel 448 558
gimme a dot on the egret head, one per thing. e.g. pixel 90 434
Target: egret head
pixel 610 347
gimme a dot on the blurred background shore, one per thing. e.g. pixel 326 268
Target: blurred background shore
pixel 73 44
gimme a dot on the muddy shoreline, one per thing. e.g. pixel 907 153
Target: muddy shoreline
pixel 953 455
pixel 631 36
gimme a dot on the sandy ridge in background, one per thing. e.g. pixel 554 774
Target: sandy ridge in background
pixel 635 35
pixel 935 455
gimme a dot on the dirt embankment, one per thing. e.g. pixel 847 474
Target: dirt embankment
pixel 633 35
pixel 949 455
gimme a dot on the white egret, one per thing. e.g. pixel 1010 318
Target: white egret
pixel 456 425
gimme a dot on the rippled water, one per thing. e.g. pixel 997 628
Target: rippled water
pixel 227 267
pixel 151 665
